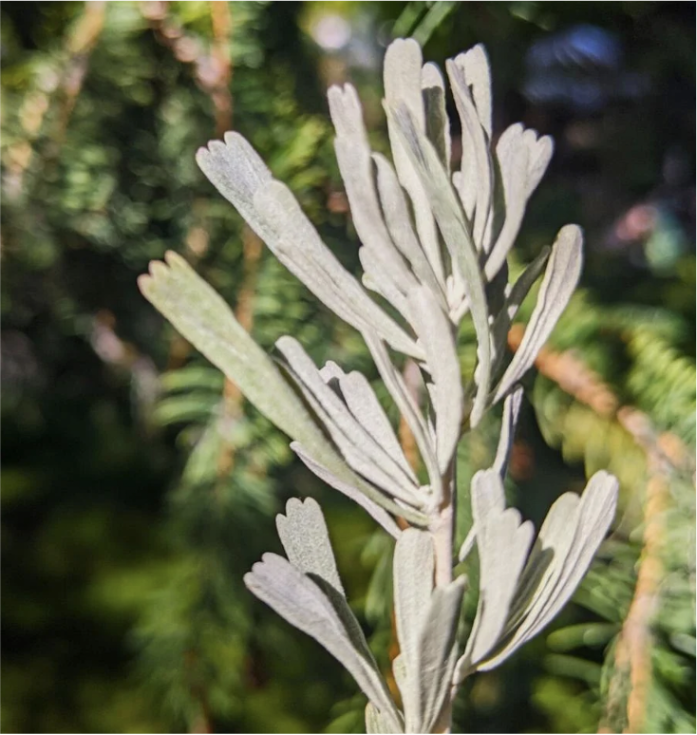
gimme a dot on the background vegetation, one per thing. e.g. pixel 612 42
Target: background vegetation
pixel 137 487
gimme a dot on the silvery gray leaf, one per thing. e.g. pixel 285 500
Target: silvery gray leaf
pixel 399 671
pixel 377 723
pixel 563 561
pixel 414 564
pixel 476 170
pixel 551 546
pixel 365 407
pixel 402 78
pixel 547 557
pixel 475 66
pixel 437 123
pixel 596 513
pixel 437 653
pixel 398 221
pixel 302 251
pixel 406 404
pixel 206 321
pixel 515 297
pixel 523 159
pixel 512 155
pixel 436 335
pixel 455 231
pixel 331 373
pixel 303 533
pixel 376 279
pixel 509 421
pixel 522 286
pixel 503 543
pixel 295 597
pixel 426 622
pixel 238 172
pixel 356 444
pixel 359 463
pixel 356 166
pixel 540 154
pixel 465 180
pixel 361 494
pixel 273 213
pixel 558 284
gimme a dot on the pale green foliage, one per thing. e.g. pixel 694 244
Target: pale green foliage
pixel 434 247
pixel 426 625
pixel 522 590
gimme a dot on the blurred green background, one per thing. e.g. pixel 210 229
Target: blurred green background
pixel 137 488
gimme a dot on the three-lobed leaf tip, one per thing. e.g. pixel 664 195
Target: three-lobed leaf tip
pixel 159 270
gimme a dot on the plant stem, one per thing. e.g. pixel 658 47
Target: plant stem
pixel 443 545
pixel 442 533
pixel 633 670
pixel 219 89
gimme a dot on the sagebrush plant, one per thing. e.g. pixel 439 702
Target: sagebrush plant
pixel 434 247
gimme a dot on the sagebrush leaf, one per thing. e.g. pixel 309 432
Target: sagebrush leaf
pixel 560 280
pixel 297 599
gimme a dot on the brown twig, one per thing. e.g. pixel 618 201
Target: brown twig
pixel 633 648
pixel 581 383
pixel 201 722
pixel 212 70
pixel 631 679
pixel 220 81
pixel 79 44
